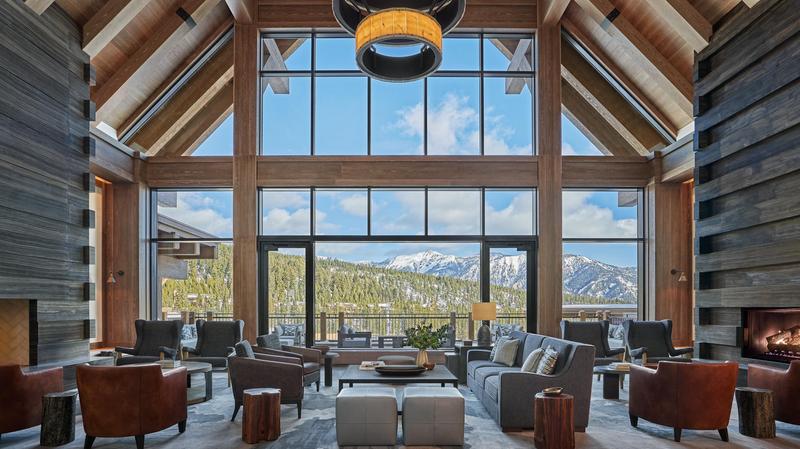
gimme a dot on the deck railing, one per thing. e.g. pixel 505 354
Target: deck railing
pixel 326 325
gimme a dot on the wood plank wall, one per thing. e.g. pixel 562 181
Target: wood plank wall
pixel 43 124
pixel 747 172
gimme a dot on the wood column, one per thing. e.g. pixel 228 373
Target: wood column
pixel 548 96
pixel 245 204
pixel 670 248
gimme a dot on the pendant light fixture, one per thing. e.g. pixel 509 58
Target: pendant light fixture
pixel 415 23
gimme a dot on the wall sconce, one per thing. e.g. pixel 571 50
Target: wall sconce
pixel 680 274
pixel 111 279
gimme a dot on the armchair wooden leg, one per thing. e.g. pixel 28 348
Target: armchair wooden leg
pixel 88 442
pixel 317 386
pixel 235 411
pixel 676 432
pixel 182 426
pixel 634 420
pixel 139 441
pixel 723 433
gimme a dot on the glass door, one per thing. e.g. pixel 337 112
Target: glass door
pixel 510 283
pixel 287 292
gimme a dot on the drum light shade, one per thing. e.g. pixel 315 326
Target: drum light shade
pixel 399 24
pixel 484 311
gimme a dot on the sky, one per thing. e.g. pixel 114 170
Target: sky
pixel 398 128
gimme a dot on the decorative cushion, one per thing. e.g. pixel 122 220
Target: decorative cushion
pixel 290 330
pixel 272 341
pixel 532 361
pixel 188 332
pixel 616 332
pixel 506 352
pixel 497 345
pixel 278 329
pixel 548 362
pixel 244 349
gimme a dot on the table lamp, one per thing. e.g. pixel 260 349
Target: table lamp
pixel 484 311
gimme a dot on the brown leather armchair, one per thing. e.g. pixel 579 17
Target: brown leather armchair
pixel 785 384
pixel 21 395
pixel 680 395
pixel 311 359
pixel 249 369
pixel 130 401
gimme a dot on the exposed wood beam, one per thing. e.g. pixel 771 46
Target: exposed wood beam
pixel 677 160
pixel 686 20
pixel 39 6
pixel 207 119
pixel 108 22
pixel 591 122
pixel 171 27
pixel 605 171
pixel 655 64
pixel 112 160
pixel 553 10
pixel 176 74
pixel 617 112
pixel 620 76
pixel 275 61
pixel 244 11
pixel 186 103
pixel 190 172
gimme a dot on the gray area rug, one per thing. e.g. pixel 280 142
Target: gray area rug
pixel 209 426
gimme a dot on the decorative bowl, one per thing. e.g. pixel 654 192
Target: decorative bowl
pixel 429 366
pixel 552 391
pixel 400 370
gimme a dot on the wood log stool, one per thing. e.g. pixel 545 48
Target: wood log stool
pixel 58 418
pixel 756 412
pixel 553 426
pixel 262 415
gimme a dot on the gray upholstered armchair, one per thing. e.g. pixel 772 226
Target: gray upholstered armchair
pixel 249 369
pixel 291 334
pixel 593 333
pixel 350 338
pixel 155 340
pixel 651 341
pixel 215 342
pixel 310 358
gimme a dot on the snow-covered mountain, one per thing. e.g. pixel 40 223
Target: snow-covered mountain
pixel 582 275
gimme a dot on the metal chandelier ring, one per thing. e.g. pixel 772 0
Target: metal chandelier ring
pixel 390 25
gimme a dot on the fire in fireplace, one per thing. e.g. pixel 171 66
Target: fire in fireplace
pixel 772 334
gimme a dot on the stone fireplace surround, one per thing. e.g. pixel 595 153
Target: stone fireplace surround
pixel 18 332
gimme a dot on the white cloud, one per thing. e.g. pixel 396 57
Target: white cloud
pixel 515 219
pixel 284 222
pixel 403 214
pixel 288 199
pixel 198 211
pixel 584 219
pixel 354 204
pixel 567 149
pixel 454 212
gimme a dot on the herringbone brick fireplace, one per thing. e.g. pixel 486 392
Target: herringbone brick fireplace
pixel 15 335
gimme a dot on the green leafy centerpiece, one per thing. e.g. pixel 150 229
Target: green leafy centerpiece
pixel 423 337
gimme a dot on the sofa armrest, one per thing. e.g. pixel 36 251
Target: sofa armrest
pixel 615 351
pixel 681 351
pixel 477 354
pixel 279 353
pixel 169 353
pixel 277 358
pixel 638 352
pixel 125 350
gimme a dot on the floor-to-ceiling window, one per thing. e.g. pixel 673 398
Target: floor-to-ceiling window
pixel 192 250
pixel 315 101
pixel 382 259
pixel 603 253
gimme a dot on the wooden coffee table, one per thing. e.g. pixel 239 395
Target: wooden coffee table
pixel 438 375
pixel 611 380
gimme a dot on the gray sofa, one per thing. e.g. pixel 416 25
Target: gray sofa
pixel 507 393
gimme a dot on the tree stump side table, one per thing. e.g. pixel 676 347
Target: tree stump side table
pixel 756 412
pixel 553 426
pixel 58 418
pixel 262 415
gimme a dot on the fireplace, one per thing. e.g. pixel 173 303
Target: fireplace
pixel 772 334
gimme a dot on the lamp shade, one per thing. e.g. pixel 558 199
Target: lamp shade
pixel 484 311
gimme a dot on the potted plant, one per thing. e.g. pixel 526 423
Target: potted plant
pixel 423 337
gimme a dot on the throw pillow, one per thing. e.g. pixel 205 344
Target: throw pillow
pixel 497 343
pixel 278 329
pixel 532 361
pixel 243 349
pixel 272 341
pixel 506 352
pixel 547 365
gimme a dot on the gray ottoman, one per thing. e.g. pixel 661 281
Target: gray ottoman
pixel 397 360
pixel 433 417
pixel 366 417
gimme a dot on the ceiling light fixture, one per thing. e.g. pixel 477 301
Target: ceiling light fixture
pixel 376 23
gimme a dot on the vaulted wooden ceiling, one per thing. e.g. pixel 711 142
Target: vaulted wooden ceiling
pixel 140 48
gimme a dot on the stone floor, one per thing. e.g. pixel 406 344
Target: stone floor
pixel 210 427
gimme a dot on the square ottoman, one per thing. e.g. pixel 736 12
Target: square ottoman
pixel 433 417
pixel 366 417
